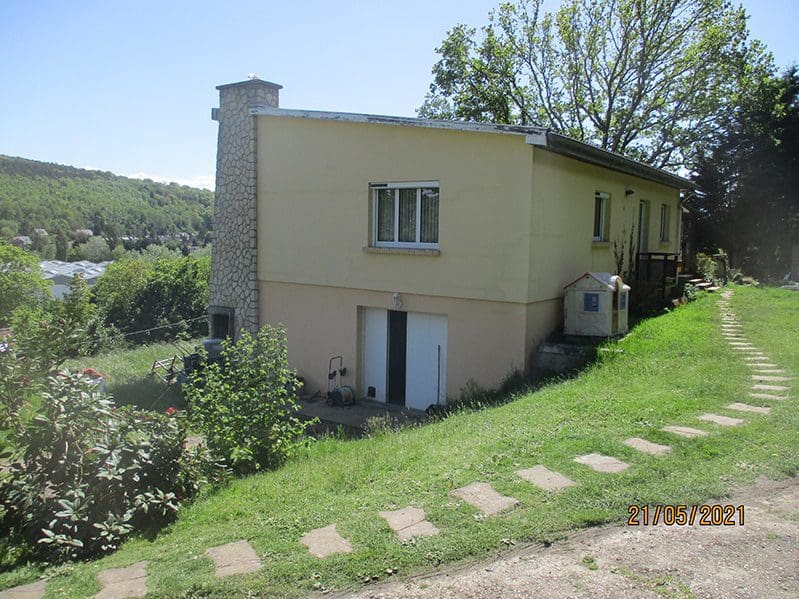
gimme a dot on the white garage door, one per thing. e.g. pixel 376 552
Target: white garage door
pixel 426 357
pixel 419 350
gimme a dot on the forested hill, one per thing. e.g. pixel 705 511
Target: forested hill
pixel 63 198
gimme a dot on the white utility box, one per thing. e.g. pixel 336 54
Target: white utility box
pixel 596 304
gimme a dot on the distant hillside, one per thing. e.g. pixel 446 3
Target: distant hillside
pixel 55 197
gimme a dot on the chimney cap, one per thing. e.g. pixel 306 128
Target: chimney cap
pixel 253 82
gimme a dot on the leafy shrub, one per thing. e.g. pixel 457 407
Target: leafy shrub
pixel 80 474
pixel 75 319
pixel 689 292
pixel 706 266
pixel 244 406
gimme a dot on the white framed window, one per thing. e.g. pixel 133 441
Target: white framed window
pixel 405 215
pixel 601 216
pixel 664 222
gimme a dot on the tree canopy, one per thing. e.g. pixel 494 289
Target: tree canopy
pixel 62 199
pixel 650 79
pixel 749 181
pixel 21 281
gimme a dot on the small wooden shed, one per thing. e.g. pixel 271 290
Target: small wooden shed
pixel 596 304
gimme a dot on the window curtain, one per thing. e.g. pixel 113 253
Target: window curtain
pixel 385 215
pixel 429 216
pixel 407 215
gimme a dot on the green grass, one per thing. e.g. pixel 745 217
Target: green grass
pixel 670 370
pixel 128 374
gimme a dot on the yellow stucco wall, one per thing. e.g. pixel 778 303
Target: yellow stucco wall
pixel 314 207
pixel 563 218
pixel 515 226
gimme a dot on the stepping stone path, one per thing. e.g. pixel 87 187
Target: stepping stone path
pixel 234 558
pixel 745 407
pixel 546 479
pixel 768 378
pixel 322 542
pixel 646 446
pixel 602 463
pixel 34 590
pixel 484 498
pixel 685 431
pixel 721 420
pixel 119 583
pixel 769 371
pixel 409 522
pixel 768 396
pixel 769 388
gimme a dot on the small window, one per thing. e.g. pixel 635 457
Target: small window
pixel 590 302
pixel 623 301
pixel 405 214
pixel 664 222
pixel 601 204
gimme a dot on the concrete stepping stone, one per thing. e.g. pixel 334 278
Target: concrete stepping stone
pixel 234 558
pixel 745 407
pixel 409 522
pixel 685 431
pixel 645 446
pixel 762 365
pixel 768 396
pixel 770 388
pixel 484 498
pixel 546 479
pixel 34 590
pixel 771 378
pixel 769 370
pixel 759 358
pixel 119 583
pixel 602 463
pixel 721 420
pixel 322 542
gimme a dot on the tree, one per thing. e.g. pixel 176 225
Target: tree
pixel 749 204
pixel 21 281
pixel 650 79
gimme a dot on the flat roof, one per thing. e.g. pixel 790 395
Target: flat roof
pixel 534 136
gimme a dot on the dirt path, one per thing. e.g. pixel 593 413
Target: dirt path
pixel 758 559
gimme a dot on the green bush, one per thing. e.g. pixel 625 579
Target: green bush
pixel 75 320
pixel 137 294
pixel 21 282
pixel 80 474
pixel 706 267
pixel 245 405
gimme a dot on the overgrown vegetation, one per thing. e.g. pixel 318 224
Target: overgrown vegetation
pixel 169 295
pixel 21 282
pixel 81 474
pixel 245 405
pixel 669 370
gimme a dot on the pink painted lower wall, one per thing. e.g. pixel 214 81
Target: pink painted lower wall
pixel 485 339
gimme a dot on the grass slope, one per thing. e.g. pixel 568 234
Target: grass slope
pixel 127 374
pixel 669 370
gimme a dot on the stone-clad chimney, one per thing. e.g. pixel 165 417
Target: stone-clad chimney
pixel 234 278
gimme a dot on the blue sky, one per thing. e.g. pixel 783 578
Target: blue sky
pixel 128 86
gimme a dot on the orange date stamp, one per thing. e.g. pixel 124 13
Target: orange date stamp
pixel 680 515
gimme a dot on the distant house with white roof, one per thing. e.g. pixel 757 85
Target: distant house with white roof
pixel 60 273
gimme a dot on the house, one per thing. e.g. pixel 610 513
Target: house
pixel 59 274
pixel 22 241
pixel 425 253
